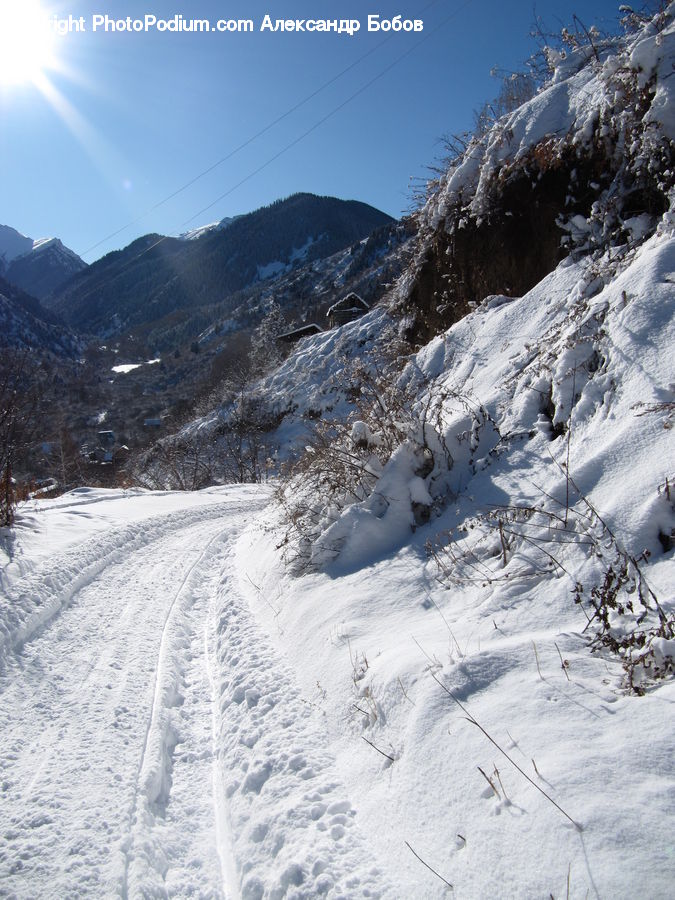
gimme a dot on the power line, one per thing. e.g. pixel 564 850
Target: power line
pixel 310 130
pixel 251 139
pixel 328 116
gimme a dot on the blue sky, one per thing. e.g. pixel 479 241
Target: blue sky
pixel 127 119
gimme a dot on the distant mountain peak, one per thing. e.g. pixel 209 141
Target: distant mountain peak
pixel 13 244
pixel 195 233
pixel 40 266
pixel 56 246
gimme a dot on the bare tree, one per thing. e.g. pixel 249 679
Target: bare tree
pixel 266 352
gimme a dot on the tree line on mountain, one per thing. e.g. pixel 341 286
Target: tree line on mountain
pixel 156 276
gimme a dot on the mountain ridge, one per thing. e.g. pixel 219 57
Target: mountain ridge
pixel 156 275
pixel 38 267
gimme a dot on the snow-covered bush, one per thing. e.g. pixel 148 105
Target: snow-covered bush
pixel 584 165
pixel 362 485
pixel 570 540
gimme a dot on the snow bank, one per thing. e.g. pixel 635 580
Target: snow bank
pixel 387 643
pixel 586 99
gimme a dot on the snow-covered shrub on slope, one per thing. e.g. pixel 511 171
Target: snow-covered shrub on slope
pixel 364 482
pixel 529 395
pixel 617 103
pixel 535 395
pixel 585 164
pixel 578 375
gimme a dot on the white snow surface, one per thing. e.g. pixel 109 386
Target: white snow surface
pixel 154 741
pixel 125 368
pixel 181 716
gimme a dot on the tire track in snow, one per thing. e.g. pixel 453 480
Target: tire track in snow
pixel 177 757
pixel 278 814
pixel 74 711
pixel 224 842
pixel 295 833
pixel 36 599
pixel 147 864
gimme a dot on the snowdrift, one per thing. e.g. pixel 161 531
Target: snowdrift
pixel 485 613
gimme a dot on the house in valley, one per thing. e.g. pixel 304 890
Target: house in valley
pixel 346 310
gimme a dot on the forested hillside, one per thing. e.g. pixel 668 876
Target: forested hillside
pixel 156 276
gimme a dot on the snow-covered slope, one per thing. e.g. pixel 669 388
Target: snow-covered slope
pixel 479 601
pixel 440 661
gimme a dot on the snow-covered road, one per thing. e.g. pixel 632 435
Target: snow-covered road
pixel 153 743
pixel 87 738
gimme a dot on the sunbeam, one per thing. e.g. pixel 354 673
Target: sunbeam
pixel 26 42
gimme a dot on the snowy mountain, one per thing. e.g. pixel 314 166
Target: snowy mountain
pixel 38 267
pixel 156 276
pixel 12 244
pixel 195 233
pixel 435 658
pixel 304 292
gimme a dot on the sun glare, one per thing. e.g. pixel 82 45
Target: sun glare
pixel 26 41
